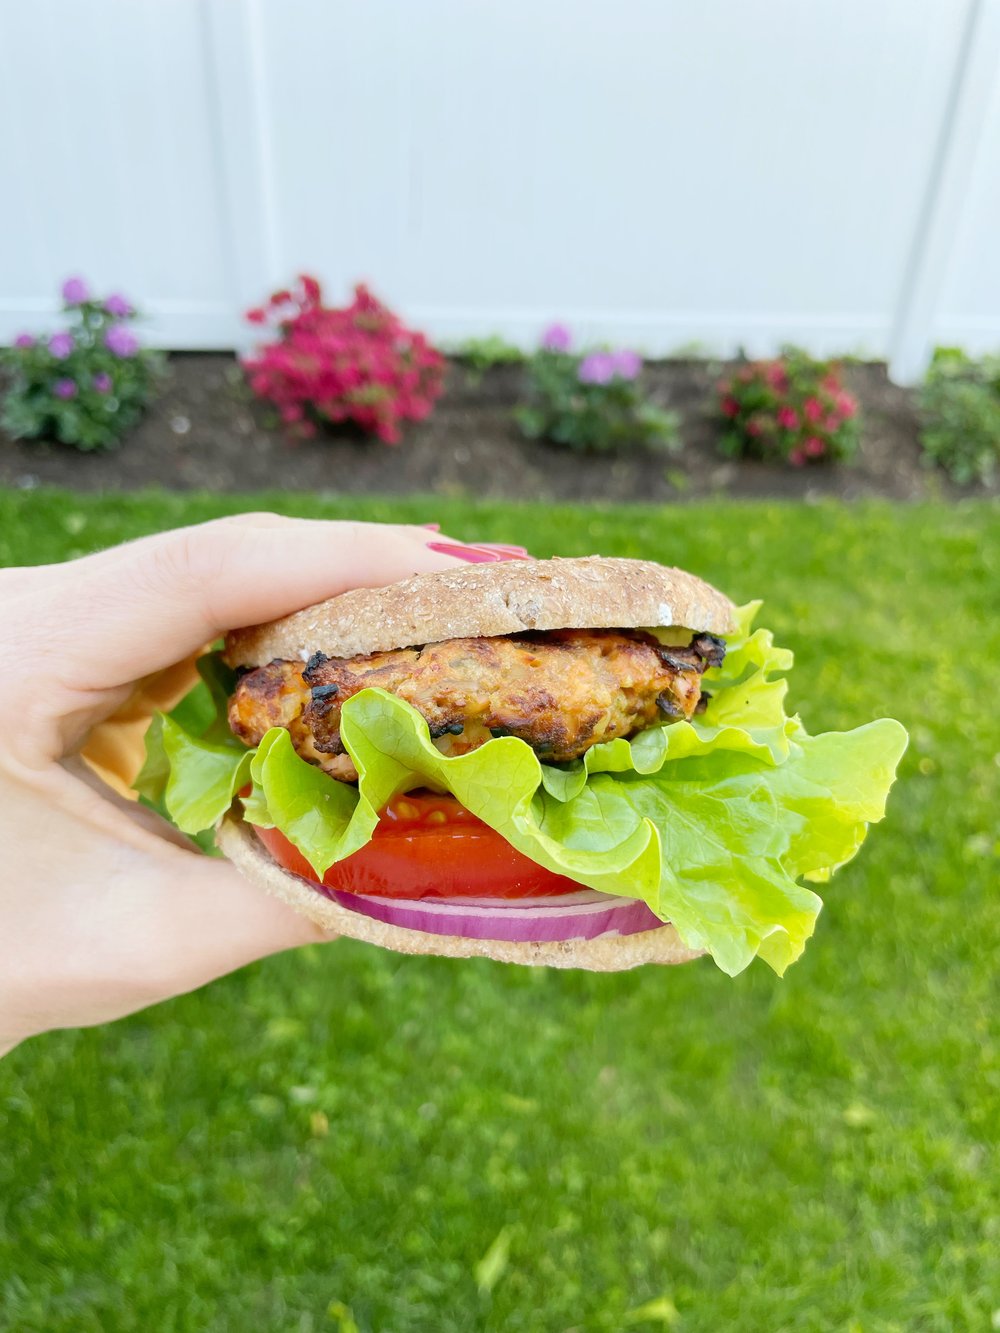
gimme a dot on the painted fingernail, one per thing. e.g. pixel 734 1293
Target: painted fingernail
pixel 475 555
pixel 434 527
pixel 521 552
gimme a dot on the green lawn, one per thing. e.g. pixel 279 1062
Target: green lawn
pixel 348 1140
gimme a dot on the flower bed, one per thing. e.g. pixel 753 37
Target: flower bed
pixel 206 431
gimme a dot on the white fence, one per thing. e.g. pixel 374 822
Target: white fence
pixel 656 172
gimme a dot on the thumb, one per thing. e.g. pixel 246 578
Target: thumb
pixel 137 608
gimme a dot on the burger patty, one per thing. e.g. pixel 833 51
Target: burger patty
pixel 561 691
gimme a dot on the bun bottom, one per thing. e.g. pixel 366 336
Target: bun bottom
pixel 607 953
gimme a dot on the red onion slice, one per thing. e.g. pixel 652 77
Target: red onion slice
pixel 497 919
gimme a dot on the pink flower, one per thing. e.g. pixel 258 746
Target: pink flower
pixel 797 457
pixel 257 316
pixel 788 418
pixel 730 406
pixel 557 338
pixel 61 344
pixel 596 368
pixel 24 340
pixel 813 447
pixel 813 410
pixel 847 404
pixel 627 364
pixel 776 375
pixel 313 293
pixel 117 305
pixel 75 291
pixel 102 382
pixel 65 389
pixel 754 428
pixel 121 341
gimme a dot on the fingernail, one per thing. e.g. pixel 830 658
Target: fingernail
pixel 520 551
pixel 474 554
pixel 434 527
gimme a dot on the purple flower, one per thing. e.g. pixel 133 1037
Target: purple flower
pixel 65 389
pixel 117 305
pixel 75 291
pixel 121 341
pixel 61 344
pixel 24 340
pixel 557 338
pixel 102 382
pixel 596 368
pixel 627 364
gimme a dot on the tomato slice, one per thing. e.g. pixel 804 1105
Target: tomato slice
pixel 429 846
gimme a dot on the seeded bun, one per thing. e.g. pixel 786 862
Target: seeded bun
pixel 607 953
pixel 485 600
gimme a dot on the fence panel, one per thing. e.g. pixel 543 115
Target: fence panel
pixel 654 172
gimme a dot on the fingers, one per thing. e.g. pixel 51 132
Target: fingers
pixel 137 608
pixel 99 916
pixel 217 921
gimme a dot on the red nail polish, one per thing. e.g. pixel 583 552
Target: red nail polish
pixel 474 554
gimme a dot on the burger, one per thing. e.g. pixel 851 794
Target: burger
pixel 571 762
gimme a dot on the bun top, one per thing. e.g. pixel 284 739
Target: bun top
pixel 486 600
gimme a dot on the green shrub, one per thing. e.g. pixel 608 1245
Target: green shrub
pixel 793 409
pixel 482 354
pixel 85 385
pixel 591 402
pixel 960 403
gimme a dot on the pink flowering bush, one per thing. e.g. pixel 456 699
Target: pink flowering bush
pixel 358 363
pixel 792 409
pixel 590 401
pixel 84 385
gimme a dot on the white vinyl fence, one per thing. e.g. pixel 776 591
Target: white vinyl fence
pixel 653 172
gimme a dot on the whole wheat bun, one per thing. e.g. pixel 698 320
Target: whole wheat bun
pixel 608 953
pixel 485 600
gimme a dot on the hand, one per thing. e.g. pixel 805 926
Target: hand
pixel 103 909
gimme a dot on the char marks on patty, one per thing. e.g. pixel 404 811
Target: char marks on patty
pixel 561 691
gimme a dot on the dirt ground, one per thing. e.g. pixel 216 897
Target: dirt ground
pixel 205 431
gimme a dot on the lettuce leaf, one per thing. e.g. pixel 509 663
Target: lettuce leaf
pixel 711 822
pixel 189 754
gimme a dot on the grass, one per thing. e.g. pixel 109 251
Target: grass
pixel 347 1140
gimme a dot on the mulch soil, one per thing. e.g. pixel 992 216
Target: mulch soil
pixel 206 432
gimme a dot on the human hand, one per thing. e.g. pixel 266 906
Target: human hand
pixel 103 909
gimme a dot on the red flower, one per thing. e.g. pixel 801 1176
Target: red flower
pixel 257 316
pixel 730 407
pixel 754 428
pixel 813 410
pixel 776 375
pixel 814 447
pixel 357 363
pixel 788 418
